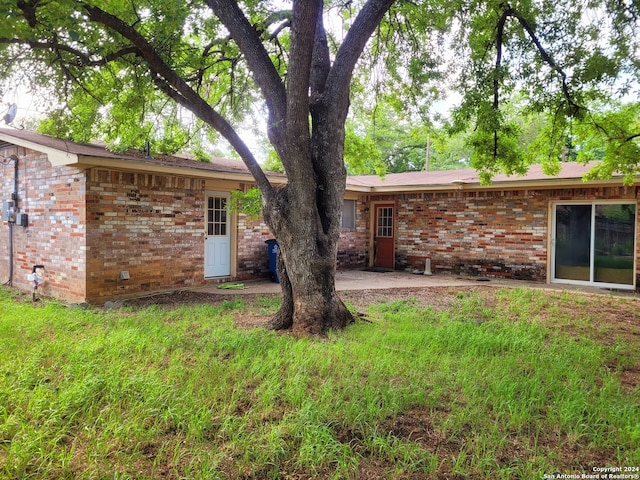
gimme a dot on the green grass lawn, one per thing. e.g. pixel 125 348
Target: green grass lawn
pixel 501 384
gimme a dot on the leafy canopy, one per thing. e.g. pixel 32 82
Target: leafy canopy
pixel 539 82
pixel 576 63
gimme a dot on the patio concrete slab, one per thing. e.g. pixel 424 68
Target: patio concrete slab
pixel 353 280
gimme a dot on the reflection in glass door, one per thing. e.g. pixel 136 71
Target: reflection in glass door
pixel 614 243
pixel 573 244
pixel 595 243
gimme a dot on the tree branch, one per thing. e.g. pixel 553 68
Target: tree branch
pixel 321 63
pixel 632 137
pixel 169 82
pixel 276 32
pixel 496 74
pixel 499 40
pixel 83 58
pixel 282 16
pixel 547 58
pixel 305 13
pixel 264 73
pixel 29 10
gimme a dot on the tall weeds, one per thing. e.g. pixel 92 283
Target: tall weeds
pixel 480 390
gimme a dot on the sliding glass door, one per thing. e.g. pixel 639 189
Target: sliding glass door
pixel 594 244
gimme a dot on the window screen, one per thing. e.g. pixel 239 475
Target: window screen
pixel 349 214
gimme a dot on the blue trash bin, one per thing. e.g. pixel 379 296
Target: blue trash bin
pixel 272 249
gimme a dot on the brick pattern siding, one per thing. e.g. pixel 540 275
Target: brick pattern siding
pixel 490 233
pixel 149 225
pixel 252 257
pixel 87 226
pixel 56 235
pixel 352 245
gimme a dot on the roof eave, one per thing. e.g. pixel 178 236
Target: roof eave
pixel 358 188
pixel 505 185
pixel 56 157
pixel 176 170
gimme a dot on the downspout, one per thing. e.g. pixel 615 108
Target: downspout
pixel 15 210
pixel 12 214
pixel 10 282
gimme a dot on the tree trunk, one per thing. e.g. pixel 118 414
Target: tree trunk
pixel 307 132
pixel 306 268
pixel 310 305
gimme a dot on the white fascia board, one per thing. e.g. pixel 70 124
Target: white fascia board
pixel 510 185
pixel 56 157
pixel 358 188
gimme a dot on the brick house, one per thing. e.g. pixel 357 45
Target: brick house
pixel 547 229
pixel 106 225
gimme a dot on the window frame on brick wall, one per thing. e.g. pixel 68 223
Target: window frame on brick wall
pixel 349 214
pixel 592 248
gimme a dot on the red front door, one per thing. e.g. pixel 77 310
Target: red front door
pixel 383 244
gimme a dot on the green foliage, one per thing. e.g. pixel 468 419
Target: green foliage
pixel 361 154
pixel 118 101
pixel 418 392
pixel 567 61
pixel 496 149
pixel 248 203
pixel 273 162
pixel 385 140
pixel 563 78
pixel 614 138
pixel 610 136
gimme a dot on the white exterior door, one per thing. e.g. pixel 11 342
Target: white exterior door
pixel 217 238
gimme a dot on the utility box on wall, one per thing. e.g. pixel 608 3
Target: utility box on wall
pixel 22 219
pixel 7 211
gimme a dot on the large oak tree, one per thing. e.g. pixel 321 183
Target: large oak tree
pixel 112 64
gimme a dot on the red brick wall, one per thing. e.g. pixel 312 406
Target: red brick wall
pixel 153 227
pixel 352 246
pixel 149 225
pixel 55 237
pixel 253 259
pixel 253 255
pixel 492 233
pixel 489 233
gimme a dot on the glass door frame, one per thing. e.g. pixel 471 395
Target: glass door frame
pixel 592 240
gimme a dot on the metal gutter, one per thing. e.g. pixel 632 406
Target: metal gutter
pixel 510 185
